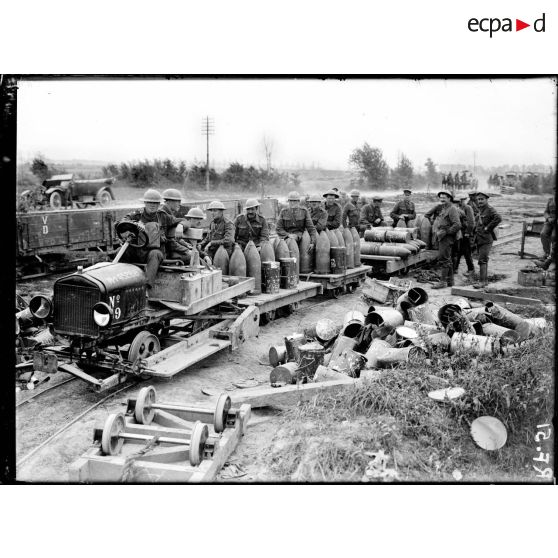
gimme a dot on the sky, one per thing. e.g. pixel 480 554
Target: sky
pixel 320 122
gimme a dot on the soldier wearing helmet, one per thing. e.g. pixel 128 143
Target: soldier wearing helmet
pixel 371 215
pixel 155 223
pixel 317 213
pixel 333 209
pixel 404 209
pixel 294 220
pixel 251 225
pixel 351 211
pixel 221 230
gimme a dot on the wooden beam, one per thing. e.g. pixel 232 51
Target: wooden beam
pixel 290 395
pixel 495 297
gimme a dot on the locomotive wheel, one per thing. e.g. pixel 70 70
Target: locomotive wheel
pixel 144 345
pixel 144 412
pixel 221 412
pixel 111 443
pixel 200 433
pixel 55 200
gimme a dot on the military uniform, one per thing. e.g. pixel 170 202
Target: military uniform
pixel 156 226
pixel 221 233
pixel 333 216
pixel 350 216
pixel 247 229
pixel 177 248
pixel 369 214
pixel 295 221
pixel 468 230
pixel 449 225
pixel 403 207
pixel 319 218
pixel 548 233
pixel 487 220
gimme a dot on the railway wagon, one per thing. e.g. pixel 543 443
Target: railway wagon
pixel 52 241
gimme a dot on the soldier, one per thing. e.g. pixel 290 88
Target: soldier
pixel 371 215
pixel 180 248
pixel 487 220
pixel 155 224
pixel 333 209
pixel 456 248
pixel 404 209
pixel 317 213
pixel 473 203
pixel 450 182
pixel 548 233
pixel 351 211
pixel 251 225
pixel 456 181
pixel 221 231
pixel 294 220
pixel 468 230
pixel 449 225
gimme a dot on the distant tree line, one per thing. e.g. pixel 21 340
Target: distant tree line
pixel 528 183
pixel 146 172
pixel 375 173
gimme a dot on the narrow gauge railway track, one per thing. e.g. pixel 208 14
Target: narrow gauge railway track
pixel 38 393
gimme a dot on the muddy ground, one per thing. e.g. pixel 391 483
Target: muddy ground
pixel 40 418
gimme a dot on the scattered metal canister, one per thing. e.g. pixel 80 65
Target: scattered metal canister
pixel 425 314
pixel 477 315
pixel 277 355
pixel 505 334
pixel 385 316
pixel 374 350
pixel 311 356
pixel 422 328
pixel 353 323
pixel 474 344
pixel 284 374
pixel 323 330
pixel 292 343
pixel 341 344
pixel 349 362
pixel 537 326
pixel 404 336
pixel 502 316
pixel 338 256
pixel 393 357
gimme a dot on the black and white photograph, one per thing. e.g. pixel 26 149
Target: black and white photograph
pixel 295 280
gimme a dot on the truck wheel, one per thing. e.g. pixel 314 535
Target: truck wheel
pixel 104 198
pixel 55 200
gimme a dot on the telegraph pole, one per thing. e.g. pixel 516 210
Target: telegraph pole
pixel 208 129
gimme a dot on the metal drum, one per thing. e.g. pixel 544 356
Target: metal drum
pixel 270 277
pixel 338 257
pixel 289 277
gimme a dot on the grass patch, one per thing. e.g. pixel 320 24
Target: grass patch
pixel 334 438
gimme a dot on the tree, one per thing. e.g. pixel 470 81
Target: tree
pixel 432 176
pixel 404 172
pixel 371 165
pixel 39 168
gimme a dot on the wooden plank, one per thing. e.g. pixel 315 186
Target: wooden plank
pixel 266 396
pixel 350 274
pixel 495 297
pixel 246 284
pixel 507 239
pixel 393 266
pixel 379 258
pixel 266 302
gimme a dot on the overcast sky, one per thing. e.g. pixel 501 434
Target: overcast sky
pixel 310 121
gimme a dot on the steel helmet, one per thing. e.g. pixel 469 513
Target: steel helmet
pixel 171 194
pixel 216 205
pixel 293 196
pixel 315 198
pixel 195 213
pixel 252 202
pixel 331 193
pixel 152 196
pixel 354 193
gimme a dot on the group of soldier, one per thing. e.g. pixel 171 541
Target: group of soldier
pixel 455 181
pixel 460 225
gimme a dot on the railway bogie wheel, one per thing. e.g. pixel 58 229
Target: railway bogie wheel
pixel 55 200
pixel 221 412
pixel 270 316
pixel 335 292
pixel 200 433
pixel 111 443
pixel 144 345
pixel 143 412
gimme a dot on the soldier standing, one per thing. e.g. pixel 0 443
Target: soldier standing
pixel 317 213
pixel 351 211
pixel 449 225
pixel 333 209
pixel 473 203
pixel 371 215
pixel 404 209
pixel 468 230
pixel 548 233
pixel 487 220
pixel 251 225
pixel 221 231
pixel 155 224
pixel 294 220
